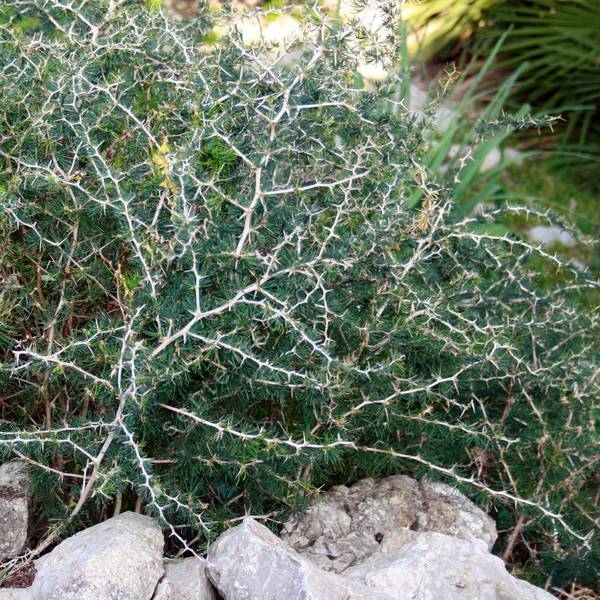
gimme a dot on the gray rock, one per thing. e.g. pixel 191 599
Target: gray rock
pixel 16 594
pixel 418 98
pixel 413 565
pixel 514 156
pixel 14 509
pixel 492 159
pixel 185 579
pixel 347 525
pixel 119 559
pixel 248 562
pixel 549 235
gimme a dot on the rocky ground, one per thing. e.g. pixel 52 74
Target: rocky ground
pixel 396 538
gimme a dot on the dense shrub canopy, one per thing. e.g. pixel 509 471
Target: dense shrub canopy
pixel 228 280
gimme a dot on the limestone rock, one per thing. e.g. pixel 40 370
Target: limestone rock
pixel 248 562
pixel 549 235
pixel 119 559
pixel 413 565
pixel 16 594
pixel 185 579
pixel 14 509
pixel 492 159
pixel 347 525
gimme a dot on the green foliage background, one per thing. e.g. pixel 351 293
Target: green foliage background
pixel 552 44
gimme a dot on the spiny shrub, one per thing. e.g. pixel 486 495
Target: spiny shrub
pixel 220 292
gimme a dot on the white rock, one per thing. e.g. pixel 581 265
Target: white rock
pixel 14 512
pixel 446 115
pixel 185 579
pixel 347 525
pixel 248 562
pixel 414 565
pixel 16 594
pixel 119 559
pixel 513 156
pixel 255 29
pixel 549 235
pixel 373 71
pixel 418 98
pixel 492 159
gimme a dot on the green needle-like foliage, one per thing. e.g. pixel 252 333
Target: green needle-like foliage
pixel 219 294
